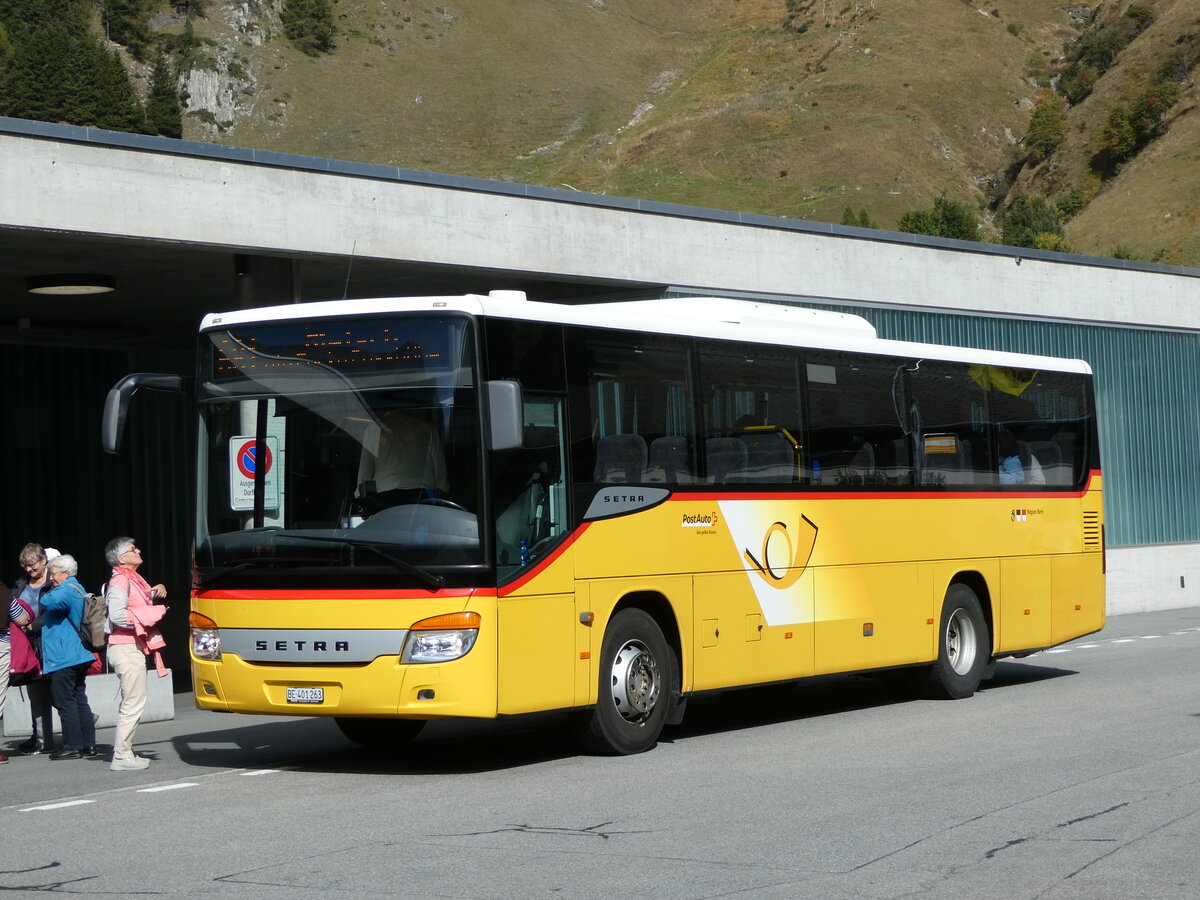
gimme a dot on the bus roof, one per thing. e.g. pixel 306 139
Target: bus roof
pixel 720 318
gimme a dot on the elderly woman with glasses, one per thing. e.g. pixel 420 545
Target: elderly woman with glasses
pixel 33 559
pixel 65 661
pixel 130 600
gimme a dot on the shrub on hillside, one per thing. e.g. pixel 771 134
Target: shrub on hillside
pixel 1094 52
pixel 309 25
pixel 1134 123
pixel 1047 126
pixel 1180 61
pixel 948 219
pixel 860 219
pixel 1032 222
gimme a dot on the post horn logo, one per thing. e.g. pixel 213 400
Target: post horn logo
pixel 785 554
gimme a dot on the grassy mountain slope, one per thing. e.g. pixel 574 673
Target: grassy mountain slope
pixel 786 107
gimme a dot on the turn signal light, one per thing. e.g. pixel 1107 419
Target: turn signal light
pixel 448 622
pixel 195 620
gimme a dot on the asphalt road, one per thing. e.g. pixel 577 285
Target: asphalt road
pixel 1074 774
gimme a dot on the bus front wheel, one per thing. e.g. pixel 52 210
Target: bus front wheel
pixel 963 647
pixel 380 734
pixel 636 680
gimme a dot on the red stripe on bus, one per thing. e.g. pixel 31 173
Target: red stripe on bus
pixel 323 594
pixel 543 564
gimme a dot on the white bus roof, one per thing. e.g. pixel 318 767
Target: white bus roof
pixel 703 317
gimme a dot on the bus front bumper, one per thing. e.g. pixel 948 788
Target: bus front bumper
pixel 383 688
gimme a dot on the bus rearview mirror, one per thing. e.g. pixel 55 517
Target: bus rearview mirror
pixel 505 430
pixel 116 404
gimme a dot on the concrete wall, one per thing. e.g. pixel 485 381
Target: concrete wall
pixel 104 695
pixel 1144 579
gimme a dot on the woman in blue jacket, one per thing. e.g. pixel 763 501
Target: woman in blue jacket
pixel 65 660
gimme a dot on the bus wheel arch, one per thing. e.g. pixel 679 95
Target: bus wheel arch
pixel 639 678
pixel 964 643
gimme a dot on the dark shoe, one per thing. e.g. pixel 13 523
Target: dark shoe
pixel 64 753
pixel 91 752
pixel 31 746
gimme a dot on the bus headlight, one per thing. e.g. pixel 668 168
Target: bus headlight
pixel 441 638
pixel 206 637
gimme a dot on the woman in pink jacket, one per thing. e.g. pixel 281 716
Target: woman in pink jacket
pixel 129 599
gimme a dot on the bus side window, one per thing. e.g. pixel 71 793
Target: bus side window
pixel 631 400
pixel 752 421
pixel 1044 412
pixel 948 414
pixel 858 424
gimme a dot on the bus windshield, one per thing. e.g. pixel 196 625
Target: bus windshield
pixel 347 445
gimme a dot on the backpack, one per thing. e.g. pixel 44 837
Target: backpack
pixel 91 624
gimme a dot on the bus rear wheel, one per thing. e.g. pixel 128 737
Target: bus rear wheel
pixel 963 647
pixel 637 676
pixel 380 734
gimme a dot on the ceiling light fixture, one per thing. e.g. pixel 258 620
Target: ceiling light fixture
pixel 71 285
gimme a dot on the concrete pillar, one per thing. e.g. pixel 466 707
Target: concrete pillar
pixel 265 280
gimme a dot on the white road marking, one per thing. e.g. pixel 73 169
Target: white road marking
pixel 1127 640
pixel 62 805
pixel 168 787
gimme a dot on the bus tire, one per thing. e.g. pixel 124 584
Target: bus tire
pixel 963 650
pixel 636 682
pixel 380 734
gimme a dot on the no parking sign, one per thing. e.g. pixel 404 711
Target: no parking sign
pixel 243 464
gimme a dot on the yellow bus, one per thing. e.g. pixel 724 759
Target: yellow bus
pixel 484 506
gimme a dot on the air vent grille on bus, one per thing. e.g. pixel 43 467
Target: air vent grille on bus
pixel 1093 534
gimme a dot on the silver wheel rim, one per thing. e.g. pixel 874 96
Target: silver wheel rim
pixel 635 682
pixel 961 642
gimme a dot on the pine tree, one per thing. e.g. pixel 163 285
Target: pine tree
pixel 38 82
pixel 58 75
pixel 113 104
pixel 127 22
pixel 164 112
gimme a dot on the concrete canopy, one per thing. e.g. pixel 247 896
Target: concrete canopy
pixel 188 228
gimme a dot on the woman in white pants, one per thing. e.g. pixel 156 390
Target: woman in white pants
pixel 127 649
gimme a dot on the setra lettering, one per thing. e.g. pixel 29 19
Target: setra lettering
pixel 299 646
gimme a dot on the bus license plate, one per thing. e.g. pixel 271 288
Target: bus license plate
pixel 305 695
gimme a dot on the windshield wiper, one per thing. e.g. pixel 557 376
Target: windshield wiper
pixel 257 561
pixel 426 578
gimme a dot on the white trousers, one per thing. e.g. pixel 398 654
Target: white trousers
pixel 129 662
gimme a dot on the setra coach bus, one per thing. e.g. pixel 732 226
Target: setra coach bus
pixel 483 506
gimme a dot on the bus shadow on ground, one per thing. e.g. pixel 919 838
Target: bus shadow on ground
pixel 826 695
pixel 471 746
pixel 317 745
